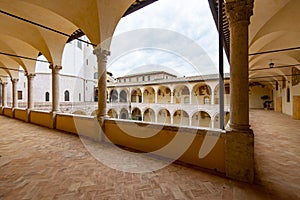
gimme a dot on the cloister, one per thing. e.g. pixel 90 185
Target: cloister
pixel 261 41
pixel 189 101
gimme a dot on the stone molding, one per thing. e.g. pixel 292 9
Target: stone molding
pixel 238 11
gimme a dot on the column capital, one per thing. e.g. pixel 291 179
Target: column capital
pixel 56 68
pixel 30 76
pixel 238 11
pixel 101 53
pixel 14 80
pixel 4 83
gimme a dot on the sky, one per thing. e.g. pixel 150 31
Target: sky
pixel 172 35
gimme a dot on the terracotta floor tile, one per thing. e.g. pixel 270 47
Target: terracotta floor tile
pixel 40 163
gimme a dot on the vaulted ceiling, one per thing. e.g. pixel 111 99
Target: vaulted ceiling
pixel 273 27
pixel 31 27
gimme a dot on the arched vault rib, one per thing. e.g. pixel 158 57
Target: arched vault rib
pixel 21 48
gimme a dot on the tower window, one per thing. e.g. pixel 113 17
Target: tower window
pixel 47 96
pixel 67 95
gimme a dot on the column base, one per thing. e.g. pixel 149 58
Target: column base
pixel 13 112
pixel 239 155
pixel 101 127
pixel 52 123
pixel 28 115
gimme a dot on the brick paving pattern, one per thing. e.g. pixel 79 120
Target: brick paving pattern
pixel 40 163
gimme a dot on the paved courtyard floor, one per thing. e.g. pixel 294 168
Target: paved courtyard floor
pixel 40 163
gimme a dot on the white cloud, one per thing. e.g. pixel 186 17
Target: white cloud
pixel 189 18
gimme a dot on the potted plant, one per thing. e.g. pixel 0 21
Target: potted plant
pixel 267 102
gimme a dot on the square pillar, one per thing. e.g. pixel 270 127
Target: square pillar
pixel 239 150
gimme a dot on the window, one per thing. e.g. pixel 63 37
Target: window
pixel 79 45
pixel 124 80
pixel 67 95
pixel 19 95
pixel 79 98
pixel 129 79
pixel 96 75
pixel 206 100
pixel 148 78
pixel 143 78
pixel 186 100
pixel 87 61
pixel 137 79
pixel 47 96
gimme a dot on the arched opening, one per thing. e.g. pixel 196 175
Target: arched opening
pixel 136 114
pixel 113 96
pixel 164 116
pixel 136 96
pixel 226 94
pixel 112 113
pixel 201 94
pixel 67 95
pixel 124 113
pixel 47 96
pixel 79 112
pixel 181 117
pixel 94 113
pixel 149 95
pixel 201 119
pixel 123 96
pixel 217 120
pixel 164 95
pixel 182 94
pixel 149 115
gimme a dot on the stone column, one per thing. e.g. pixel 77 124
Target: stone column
pixel 142 96
pixel 14 82
pixel 102 55
pixel 55 87
pixel 212 98
pixel 129 95
pixel 155 97
pixel 172 97
pixel 4 94
pixel 190 120
pixel 191 97
pixel 30 91
pixel 212 122
pixel 55 93
pixel 240 138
